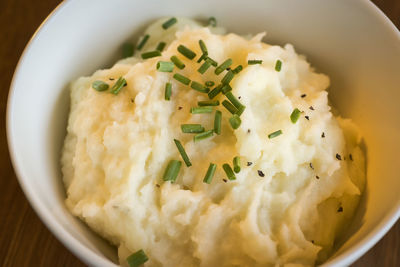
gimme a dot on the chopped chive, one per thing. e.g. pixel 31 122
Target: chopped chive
pixel 136 259
pixel 210 173
pixel 235 121
pixel 213 62
pixel 181 78
pixel 235 102
pixel 192 128
pixel 178 63
pixel 214 92
pixel 168 91
pixel 172 170
pixel 199 87
pixel 100 86
pixel 186 52
pixel 203 57
pixel 201 110
pixel 204 67
pixel 275 134
pixel 208 103
pixel 182 151
pixel 121 82
pixel 169 23
pixel 236 164
pixel 165 66
pixel 204 135
pixel 217 122
pixel 228 77
pixel 210 83
pixel 237 69
pixel 143 42
pixel 228 171
pixel 278 65
pixel 254 61
pixel 203 47
pixel 151 54
pixel 223 66
pixel 226 88
pixel 231 108
pixel 161 46
pixel 295 115
pixel 212 22
pixel 127 50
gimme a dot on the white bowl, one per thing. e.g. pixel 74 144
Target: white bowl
pixel 351 41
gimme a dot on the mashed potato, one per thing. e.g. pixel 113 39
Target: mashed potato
pixel 292 197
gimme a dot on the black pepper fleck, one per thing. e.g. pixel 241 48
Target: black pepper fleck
pixel 228 69
pixel 179 108
pixel 157 185
pixel 340 209
pixel 323 135
pixel 311 166
pixel 249 163
pixel 351 157
pixel 111 79
pixel 248 131
pixel 338 156
pixel 312 241
pixel 239 97
pixel 260 173
pixel 307 118
pixel 303 95
pixel 312 108
pixel 132 100
pixel 224 180
pixel 316 176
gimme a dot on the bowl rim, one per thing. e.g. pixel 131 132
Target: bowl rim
pixel 91 258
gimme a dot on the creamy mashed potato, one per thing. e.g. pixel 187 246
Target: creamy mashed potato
pixel 291 199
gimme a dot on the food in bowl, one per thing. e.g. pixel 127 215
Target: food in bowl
pixel 209 149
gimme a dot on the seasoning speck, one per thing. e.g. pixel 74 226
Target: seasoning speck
pixel 303 95
pixel 157 185
pixel 179 108
pixel 316 176
pixel 338 156
pixel 239 97
pixel 248 131
pixel 311 166
pixel 111 79
pixel 312 108
pixel 132 100
pixel 351 157
pixel 249 163
pixel 225 181
pixel 340 209
pixel 307 118
pixel 312 241
pixel 323 135
pixel 260 173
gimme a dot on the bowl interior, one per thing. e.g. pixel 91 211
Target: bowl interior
pixel 351 41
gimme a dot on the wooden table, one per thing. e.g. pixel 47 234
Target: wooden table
pixel 24 240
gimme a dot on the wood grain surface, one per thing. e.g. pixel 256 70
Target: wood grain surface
pixel 24 240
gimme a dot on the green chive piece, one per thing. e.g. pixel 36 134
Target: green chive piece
pixel 204 67
pixel 214 92
pixel 127 50
pixel 168 91
pixel 236 164
pixel 165 66
pixel 217 122
pixel 121 82
pixel 235 121
pixel 143 42
pixel 210 173
pixel 203 57
pixel 169 23
pixel 210 83
pixel 100 86
pixel 181 78
pixel 254 61
pixel 208 103
pixel 199 87
pixel 235 102
pixel 295 115
pixel 172 170
pixel 275 134
pixel 136 259
pixel 213 62
pixel 212 22
pixel 228 171
pixel 186 52
pixel 182 151
pixel 201 110
pixel 231 108
pixel 223 66
pixel 178 63
pixel 278 65
pixel 151 54
pixel 226 88
pixel 161 46
pixel 192 128
pixel 202 136
pixel 228 77
pixel 203 47
pixel 237 69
